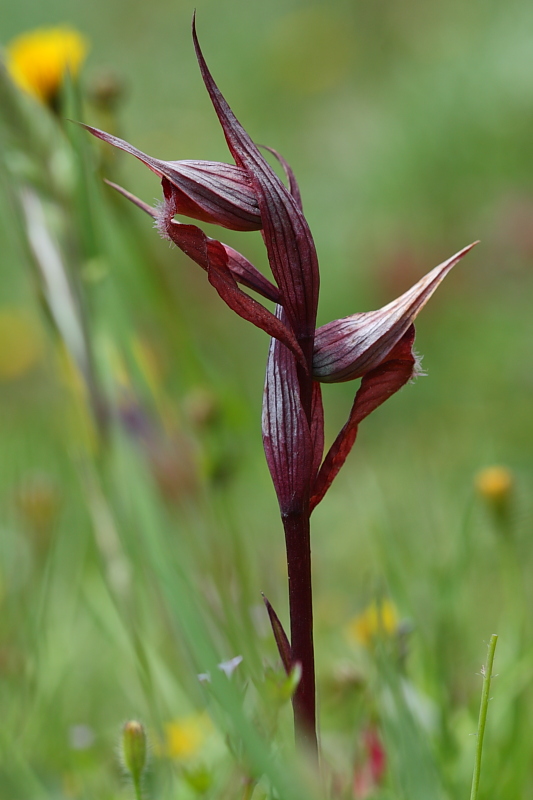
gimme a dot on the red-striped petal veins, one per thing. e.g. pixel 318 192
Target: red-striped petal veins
pixel 348 348
pixel 209 191
pixel 186 238
pixel 290 247
pixel 377 386
pixel 286 434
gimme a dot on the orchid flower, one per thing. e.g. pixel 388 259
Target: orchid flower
pixel 375 346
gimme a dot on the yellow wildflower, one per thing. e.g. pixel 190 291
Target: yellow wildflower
pixel 494 483
pixel 38 60
pixel 20 343
pixel 185 736
pixel 379 619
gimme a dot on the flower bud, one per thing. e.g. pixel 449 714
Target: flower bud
pixel 134 749
pixel 495 485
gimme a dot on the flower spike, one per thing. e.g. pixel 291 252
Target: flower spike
pixel 350 347
pixel 376 346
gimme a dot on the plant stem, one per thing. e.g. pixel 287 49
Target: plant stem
pixel 487 677
pixel 298 542
pixel 138 790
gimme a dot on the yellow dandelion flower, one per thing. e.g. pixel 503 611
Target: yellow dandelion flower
pixel 186 735
pixel 21 345
pixel 38 60
pixel 495 483
pixel 379 619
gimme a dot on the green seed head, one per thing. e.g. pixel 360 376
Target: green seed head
pixel 134 749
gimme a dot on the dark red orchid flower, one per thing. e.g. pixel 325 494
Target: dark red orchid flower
pixel 374 346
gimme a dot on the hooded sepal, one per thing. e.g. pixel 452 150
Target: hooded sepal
pixel 290 246
pixel 209 191
pixel 286 435
pixel 377 386
pixel 348 348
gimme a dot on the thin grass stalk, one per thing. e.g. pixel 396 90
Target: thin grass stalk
pixel 483 709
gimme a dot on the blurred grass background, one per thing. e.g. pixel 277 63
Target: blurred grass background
pixel 133 557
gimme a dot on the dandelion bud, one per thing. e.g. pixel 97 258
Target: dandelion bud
pixel 495 485
pixel 134 749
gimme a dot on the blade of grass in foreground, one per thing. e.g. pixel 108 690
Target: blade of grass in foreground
pixel 485 692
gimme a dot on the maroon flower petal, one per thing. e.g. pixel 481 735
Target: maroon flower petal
pixel 348 348
pixel 377 386
pixel 288 240
pixel 243 271
pixel 284 647
pixel 206 190
pixel 221 278
pixel 286 434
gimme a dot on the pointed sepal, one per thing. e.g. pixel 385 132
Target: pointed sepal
pixel 282 641
pixel 348 348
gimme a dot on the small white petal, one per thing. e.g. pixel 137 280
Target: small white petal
pixel 229 667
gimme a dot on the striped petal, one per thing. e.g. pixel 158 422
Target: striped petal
pixel 348 348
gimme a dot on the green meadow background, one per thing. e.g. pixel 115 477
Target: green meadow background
pixel 139 525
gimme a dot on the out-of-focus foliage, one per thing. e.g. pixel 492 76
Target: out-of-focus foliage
pixel 139 525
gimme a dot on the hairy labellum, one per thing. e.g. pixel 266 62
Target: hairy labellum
pixel 189 242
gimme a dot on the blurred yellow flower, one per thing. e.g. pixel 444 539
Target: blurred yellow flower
pixel 38 60
pixel 21 345
pixel 185 736
pixel 379 619
pixel 495 483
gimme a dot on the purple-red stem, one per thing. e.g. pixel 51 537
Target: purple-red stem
pixel 298 543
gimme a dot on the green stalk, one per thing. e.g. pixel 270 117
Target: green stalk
pixel 487 677
pixel 138 790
